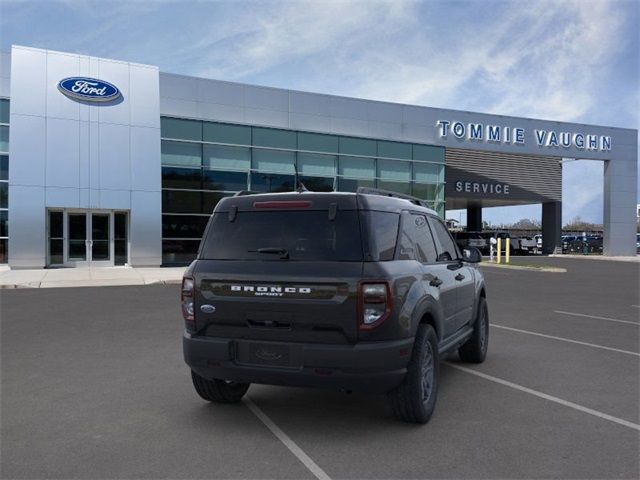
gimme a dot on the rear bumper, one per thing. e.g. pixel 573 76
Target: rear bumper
pixel 367 367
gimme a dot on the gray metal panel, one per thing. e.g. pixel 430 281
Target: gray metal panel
pixel 266 98
pixel 144 94
pixel 310 103
pixel 145 155
pixel 27 220
pixel 224 93
pixel 63 153
pixel 29 85
pixel 115 164
pixel 27 142
pixel 532 179
pixel 146 229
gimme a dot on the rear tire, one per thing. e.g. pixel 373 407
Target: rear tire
pixel 219 391
pixel 474 350
pixel 415 399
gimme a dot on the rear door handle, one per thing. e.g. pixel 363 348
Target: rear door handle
pixel 435 282
pixel 459 277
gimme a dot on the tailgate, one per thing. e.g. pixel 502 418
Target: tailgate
pixel 280 301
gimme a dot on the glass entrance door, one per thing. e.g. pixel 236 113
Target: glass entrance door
pixel 100 241
pixel 79 238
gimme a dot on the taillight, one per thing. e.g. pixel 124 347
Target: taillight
pixel 374 302
pixel 186 299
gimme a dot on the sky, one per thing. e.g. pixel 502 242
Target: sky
pixel 566 60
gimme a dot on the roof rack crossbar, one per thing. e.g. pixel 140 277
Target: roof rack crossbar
pixel 388 193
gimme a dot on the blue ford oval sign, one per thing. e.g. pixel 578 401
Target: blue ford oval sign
pixel 89 89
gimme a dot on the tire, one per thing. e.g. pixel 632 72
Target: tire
pixel 475 349
pixel 219 391
pixel 414 400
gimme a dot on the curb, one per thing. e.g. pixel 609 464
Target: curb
pixel 523 267
pixel 63 284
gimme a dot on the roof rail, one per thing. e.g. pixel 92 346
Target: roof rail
pixel 388 193
pixel 242 193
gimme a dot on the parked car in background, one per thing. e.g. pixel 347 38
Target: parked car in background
pixel 637 242
pixel 471 239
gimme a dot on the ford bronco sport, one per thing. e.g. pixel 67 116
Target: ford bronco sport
pixel 354 291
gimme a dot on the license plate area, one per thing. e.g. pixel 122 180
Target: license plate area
pixel 268 354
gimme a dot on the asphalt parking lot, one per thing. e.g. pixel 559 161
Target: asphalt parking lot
pixel 94 386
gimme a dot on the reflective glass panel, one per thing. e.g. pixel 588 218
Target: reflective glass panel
pixel 4 138
pixel 427 191
pixel 225 133
pixel 190 178
pixel 4 223
pixel 175 201
pixel 358 146
pixel 227 158
pixel 4 110
pixel 428 153
pixel 3 251
pixel 179 153
pixel 120 240
pixel 181 129
pixel 393 170
pixel 317 184
pixel 227 181
pixel 271 137
pixel 268 182
pixel 428 172
pixel 316 142
pixel 4 167
pixel 398 187
pixel 394 150
pixel 357 167
pixel 4 194
pixel 350 185
pixel 316 164
pixel 276 161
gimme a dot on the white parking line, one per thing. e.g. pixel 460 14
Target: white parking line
pixel 286 440
pixel 551 398
pixel 596 317
pixel 562 339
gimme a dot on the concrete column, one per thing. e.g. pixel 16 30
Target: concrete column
pixel 551 226
pixel 474 218
pixel 620 192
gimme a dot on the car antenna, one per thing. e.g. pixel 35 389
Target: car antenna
pixel 299 186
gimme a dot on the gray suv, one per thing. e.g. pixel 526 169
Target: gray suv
pixel 354 291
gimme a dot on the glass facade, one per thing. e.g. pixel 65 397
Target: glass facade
pixel 4 179
pixel 203 162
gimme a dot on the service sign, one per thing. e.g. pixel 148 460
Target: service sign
pixel 88 89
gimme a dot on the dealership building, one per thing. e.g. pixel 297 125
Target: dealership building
pixel 106 162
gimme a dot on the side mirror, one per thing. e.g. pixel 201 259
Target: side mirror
pixel 471 255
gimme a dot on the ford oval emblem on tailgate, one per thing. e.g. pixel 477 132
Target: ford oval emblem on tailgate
pixel 207 308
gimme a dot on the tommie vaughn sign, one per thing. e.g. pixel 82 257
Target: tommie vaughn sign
pixel 88 89
pixel 515 135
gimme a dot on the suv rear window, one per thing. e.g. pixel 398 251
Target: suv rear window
pixel 305 235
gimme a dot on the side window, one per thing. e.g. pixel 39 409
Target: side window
pixel 447 250
pixel 416 241
pixel 381 234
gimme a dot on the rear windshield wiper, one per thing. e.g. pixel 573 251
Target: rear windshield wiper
pixel 283 252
